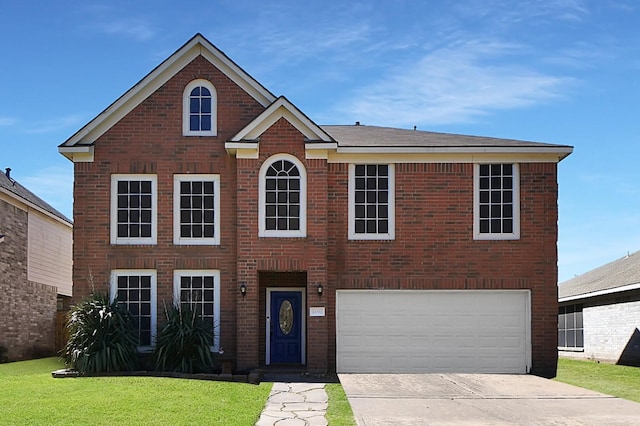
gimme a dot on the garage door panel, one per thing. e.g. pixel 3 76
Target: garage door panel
pixel 432 331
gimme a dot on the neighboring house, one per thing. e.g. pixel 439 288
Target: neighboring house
pixel 35 270
pixel 599 315
pixel 330 248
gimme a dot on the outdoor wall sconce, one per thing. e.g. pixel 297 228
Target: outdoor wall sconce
pixel 243 289
pixel 320 290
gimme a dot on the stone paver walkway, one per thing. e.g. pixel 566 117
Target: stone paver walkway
pixel 295 404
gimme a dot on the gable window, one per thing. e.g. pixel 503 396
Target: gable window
pixel 371 202
pixel 199 109
pixel 196 204
pixel 133 209
pixel 570 328
pixel 136 291
pixel 496 202
pixel 282 197
pixel 201 291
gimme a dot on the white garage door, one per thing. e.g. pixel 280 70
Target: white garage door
pixel 432 331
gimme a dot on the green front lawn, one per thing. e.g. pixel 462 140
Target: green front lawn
pixel 339 411
pixel 616 380
pixel 29 395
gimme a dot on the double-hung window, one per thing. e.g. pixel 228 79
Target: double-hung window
pixel 199 109
pixel 200 290
pixel 136 291
pixel 496 202
pixel 371 202
pixel 133 209
pixel 282 197
pixel 570 328
pixel 196 205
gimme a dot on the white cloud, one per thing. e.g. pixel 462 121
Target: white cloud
pixel 55 124
pixel 7 121
pixel 133 28
pixel 454 84
pixel 54 185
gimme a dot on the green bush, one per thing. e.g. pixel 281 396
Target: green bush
pixel 183 345
pixel 102 337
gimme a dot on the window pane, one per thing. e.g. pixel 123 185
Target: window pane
pixel 205 123
pixel 205 106
pixel 495 198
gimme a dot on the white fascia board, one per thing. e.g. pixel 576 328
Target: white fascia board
pixel 320 145
pixel 560 152
pixel 627 287
pixel 438 157
pixel 78 153
pixel 237 74
pixel 249 150
pixel 282 108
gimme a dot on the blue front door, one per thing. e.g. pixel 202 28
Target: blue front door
pixel 286 327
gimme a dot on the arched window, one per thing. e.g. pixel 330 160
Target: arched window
pixel 199 116
pixel 283 197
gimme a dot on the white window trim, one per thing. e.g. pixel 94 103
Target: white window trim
pixel 262 231
pixel 115 178
pixel 391 235
pixel 177 179
pixel 515 235
pixel 115 273
pixel 178 273
pixel 186 129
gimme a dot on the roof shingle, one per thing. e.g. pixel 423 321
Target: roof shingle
pixel 619 273
pixel 14 187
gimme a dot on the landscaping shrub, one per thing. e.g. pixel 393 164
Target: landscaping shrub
pixel 3 354
pixel 102 337
pixel 183 344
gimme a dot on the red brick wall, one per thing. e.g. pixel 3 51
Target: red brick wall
pixel 257 255
pixel 434 246
pixel 149 140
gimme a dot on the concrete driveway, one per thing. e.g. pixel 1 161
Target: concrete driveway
pixel 480 399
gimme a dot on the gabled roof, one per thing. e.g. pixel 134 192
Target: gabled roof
pixel 82 141
pixel 360 138
pixel 620 275
pixel 15 190
pixel 247 139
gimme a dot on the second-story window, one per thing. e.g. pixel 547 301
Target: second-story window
pixel 282 210
pixel 199 109
pixel 496 202
pixel 133 209
pixel 371 202
pixel 196 209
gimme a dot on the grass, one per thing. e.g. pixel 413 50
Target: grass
pixel 616 380
pixel 339 411
pixel 29 395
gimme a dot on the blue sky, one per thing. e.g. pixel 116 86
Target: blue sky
pixel 557 71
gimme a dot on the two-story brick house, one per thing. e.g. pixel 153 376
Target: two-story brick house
pixel 332 248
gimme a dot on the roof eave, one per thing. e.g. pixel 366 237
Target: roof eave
pixel 560 152
pixel 605 292
pixel 78 153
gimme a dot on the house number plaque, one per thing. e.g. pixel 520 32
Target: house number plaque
pixel 316 311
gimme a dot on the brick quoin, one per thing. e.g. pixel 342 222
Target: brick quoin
pixel 433 246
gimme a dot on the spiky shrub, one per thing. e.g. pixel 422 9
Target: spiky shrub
pixel 183 344
pixel 102 337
